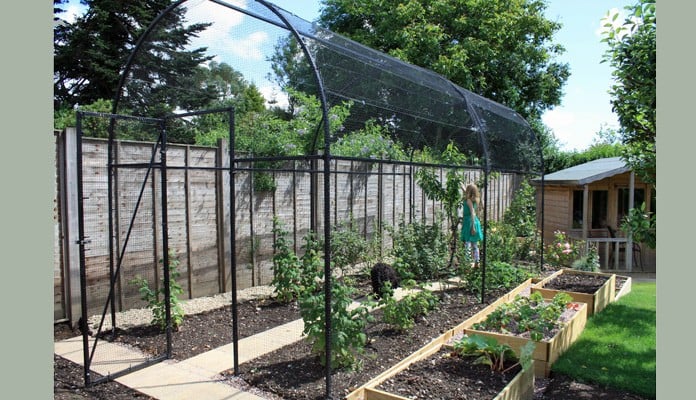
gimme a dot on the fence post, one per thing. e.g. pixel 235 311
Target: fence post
pixel 69 223
pixel 222 184
pixel 187 217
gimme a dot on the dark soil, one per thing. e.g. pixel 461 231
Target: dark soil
pixel 448 377
pixel 578 283
pixel 292 372
pixel 205 331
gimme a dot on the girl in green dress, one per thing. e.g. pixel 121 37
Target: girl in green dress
pixel 472 233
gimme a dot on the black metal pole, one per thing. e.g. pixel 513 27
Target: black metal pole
pixel 165 239
pixel 327 192
pixel 485 234
pixel 233 250
pixel 110 192
pixel 81 243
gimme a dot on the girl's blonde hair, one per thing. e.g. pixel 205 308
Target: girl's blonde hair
pixel 472 193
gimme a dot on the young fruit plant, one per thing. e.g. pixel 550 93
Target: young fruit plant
pixel 402 314
pixel 348 338
pixel 489 352
pixel 156 298
pixel 293 275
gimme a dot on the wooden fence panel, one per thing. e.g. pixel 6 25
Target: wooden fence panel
pixel 199 215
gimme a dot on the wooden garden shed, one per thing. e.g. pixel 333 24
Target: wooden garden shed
pixel 588 202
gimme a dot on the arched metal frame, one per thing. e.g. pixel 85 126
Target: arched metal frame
pixel 284 22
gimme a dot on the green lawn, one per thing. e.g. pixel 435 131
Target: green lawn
pixel 617 347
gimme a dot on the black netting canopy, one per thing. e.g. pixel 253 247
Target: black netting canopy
pixel 258 39
pixel 249 55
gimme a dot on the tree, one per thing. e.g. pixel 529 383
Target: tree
pixel 632 54
pixel 89 56
pixel 500 49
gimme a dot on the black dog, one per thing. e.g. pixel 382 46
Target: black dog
pixel 380 274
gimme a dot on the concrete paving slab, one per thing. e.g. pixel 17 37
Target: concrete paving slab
pixel 109 358
pixel 171 380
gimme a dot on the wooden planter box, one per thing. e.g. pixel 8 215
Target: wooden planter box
pixel 547 351
pixel 520 388
pixel 596 301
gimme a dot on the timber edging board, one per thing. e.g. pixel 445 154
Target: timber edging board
pixel 596 301
pixel 520 388
pixel 625 289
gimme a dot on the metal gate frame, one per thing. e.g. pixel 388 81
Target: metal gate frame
pixel 115 260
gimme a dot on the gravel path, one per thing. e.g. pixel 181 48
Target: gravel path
pixel 143 316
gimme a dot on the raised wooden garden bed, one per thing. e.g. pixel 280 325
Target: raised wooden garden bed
pixel 520 387
pixel 596 301
pixel 547 351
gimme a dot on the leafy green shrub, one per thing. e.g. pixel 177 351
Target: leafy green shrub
pixel 348 338
pixel 499 275
pixel 419 250
pixel 588 262
pixel 292 275
pixel 642 225
pixel 527 248
pixel 286 266
pixel 562 252
pixel 521 215
pixel 311 263
pixel 489 352
pixel 449 192
pixel 372 141
pixel 156 298
pixel 501 242
pixel 348 246
pixel 402 314
pixel 91 126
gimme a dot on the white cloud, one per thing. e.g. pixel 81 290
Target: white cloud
pixel 563 124
pixel 577 130
pixel 224 36
pixel 273 92
pixel 249 47
pixel 558 118
pixel 223 19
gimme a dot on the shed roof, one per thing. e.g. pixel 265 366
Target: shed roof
pixel 586 173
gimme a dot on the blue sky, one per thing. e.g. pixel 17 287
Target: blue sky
pixel 585 106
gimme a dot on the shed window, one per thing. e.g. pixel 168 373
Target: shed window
pixel 577 209
pixel 600 203
pixel 622 206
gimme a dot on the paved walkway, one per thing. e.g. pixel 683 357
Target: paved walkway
pixel 197 377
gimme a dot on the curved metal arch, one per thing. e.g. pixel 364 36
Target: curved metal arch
pixel 327 192
pixel 326 153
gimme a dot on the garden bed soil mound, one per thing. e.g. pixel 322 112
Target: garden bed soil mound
pixel 201 332
pixel 293 372
pixel 448 377
pixel 578 283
